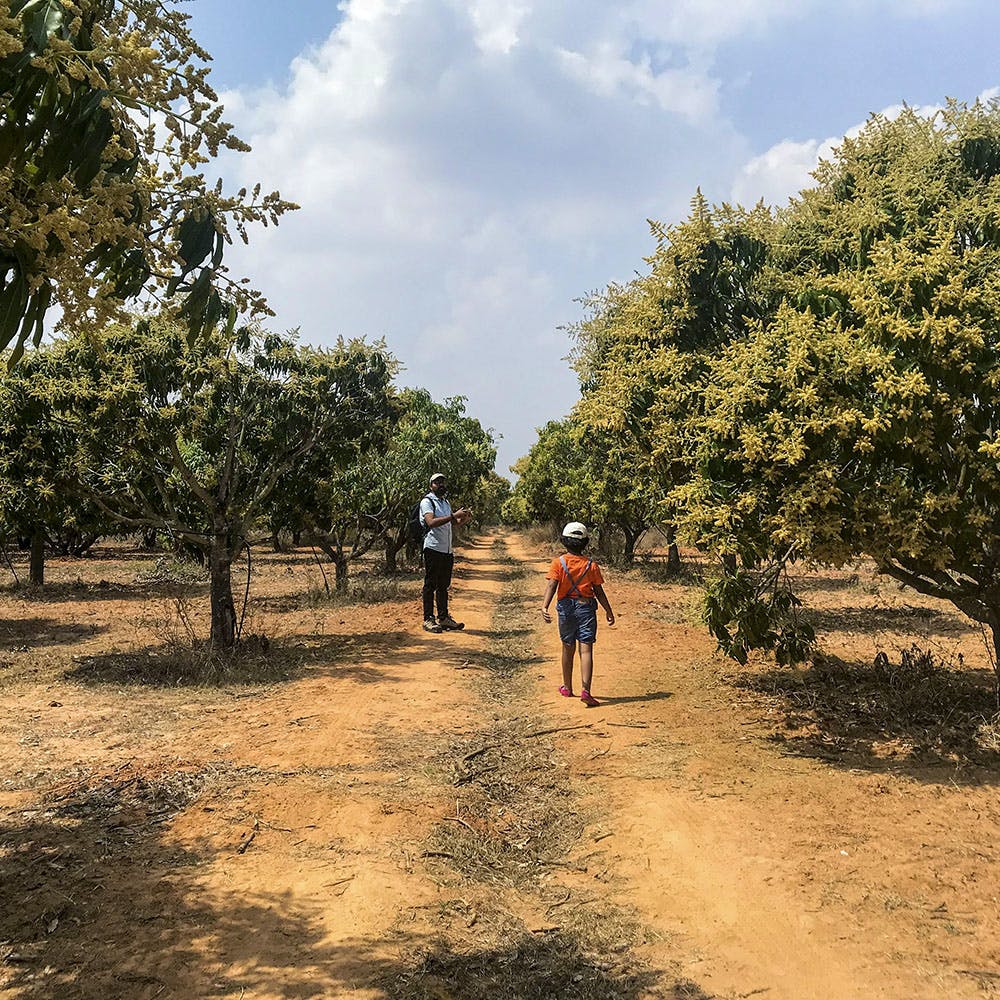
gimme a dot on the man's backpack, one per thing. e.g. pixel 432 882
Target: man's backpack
pixel 416 528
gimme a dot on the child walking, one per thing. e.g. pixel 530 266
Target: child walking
pixel 579 585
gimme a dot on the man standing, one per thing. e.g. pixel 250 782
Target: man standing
pixel 439 558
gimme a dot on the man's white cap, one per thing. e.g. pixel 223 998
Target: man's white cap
pixel 437 476
pixel 575 530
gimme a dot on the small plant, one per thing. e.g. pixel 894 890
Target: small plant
pixel 172 569
pixel 753 610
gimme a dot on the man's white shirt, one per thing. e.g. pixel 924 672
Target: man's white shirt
pixel 439 538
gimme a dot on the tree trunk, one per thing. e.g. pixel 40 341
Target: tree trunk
pixel 628 553
pixel 340 565
pixel 995 632
pixel 393 543
pixel 632 538
pixel 673 553
pixel 223 609
pixel 85 544
pixel 36 565
pixel 729 562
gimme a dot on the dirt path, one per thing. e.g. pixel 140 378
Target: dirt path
pixel 290 872
pixel 398 822
pixel 766 873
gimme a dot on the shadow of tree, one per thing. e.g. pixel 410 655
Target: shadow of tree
pixel 105 590
pixel 36 633
pixel 905 618
pixel 366 657
pixel 917 717
pixel 110 905
pixel 547 966
pixel 108 908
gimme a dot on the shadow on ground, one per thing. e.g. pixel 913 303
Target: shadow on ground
pixel 107 908
pixel 110 906
pixel 105 590
pixel 36 633
pixel 367 657
pixel 631 698
pixel 918 717
pixel 908 619
pixel 531 967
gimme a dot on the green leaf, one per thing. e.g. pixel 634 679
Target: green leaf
pixel 196 235
pixel 13 302
pixel 42 19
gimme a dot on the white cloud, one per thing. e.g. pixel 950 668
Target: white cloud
pixel 461 185
pixel 782 171
pixel 497 23
pixel 779 173
pixel 607 72
pixel 469 168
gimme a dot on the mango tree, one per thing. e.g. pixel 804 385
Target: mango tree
pixel 348 506
pixel 577 473
pixel 643 350
pixel 865 417
pixel 430 437
pixel 107 120
pixel 193 439
pixel 37 503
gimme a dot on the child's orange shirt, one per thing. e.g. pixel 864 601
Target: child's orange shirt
pixel 576 565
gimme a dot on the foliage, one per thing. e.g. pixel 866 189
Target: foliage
pixel 350 506
pixel 36 446
pixel 864 417
pixel 591 475
pixel 489 498
pixel 195 438
pixel 644 348
pixel 106 121
pixel 824 382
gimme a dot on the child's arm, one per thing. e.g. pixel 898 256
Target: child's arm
pixel 550 592
pixel 602 599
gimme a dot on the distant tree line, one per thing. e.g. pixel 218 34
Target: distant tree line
pixel 219 442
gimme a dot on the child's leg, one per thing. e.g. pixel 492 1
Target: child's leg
pixel 568 652
pixel 586 664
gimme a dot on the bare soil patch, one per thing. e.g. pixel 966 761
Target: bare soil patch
pixel 354 808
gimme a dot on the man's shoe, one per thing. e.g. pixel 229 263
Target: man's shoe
pixel 450 625
pixel 430 625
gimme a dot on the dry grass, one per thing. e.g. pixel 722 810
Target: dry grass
pixel 523 964
pixel 255 660
pixel 363 588
pixel 172 569
pixel 921 705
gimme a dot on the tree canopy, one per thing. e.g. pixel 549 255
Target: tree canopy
pixel 107 120
pixel 822 382
pixel 574 472
pixel 195 439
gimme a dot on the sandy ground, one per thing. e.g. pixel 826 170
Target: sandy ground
pixel 766 832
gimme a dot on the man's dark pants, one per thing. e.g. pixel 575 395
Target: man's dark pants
pixel 437 580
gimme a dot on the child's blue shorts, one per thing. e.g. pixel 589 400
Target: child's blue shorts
pixel 577 619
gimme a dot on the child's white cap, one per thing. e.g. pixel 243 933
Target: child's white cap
pixel 575 530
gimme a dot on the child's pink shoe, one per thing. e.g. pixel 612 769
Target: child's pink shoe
pixel 565 691
pixel 589 701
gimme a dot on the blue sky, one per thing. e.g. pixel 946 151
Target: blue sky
pixel 468 169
